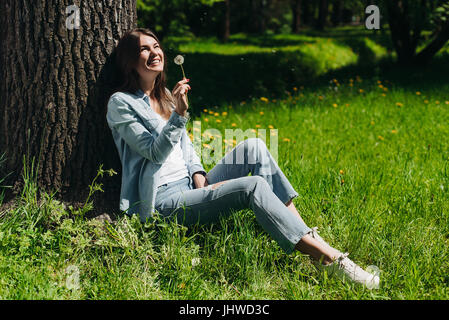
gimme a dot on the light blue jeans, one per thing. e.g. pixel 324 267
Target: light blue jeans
pixel 266 192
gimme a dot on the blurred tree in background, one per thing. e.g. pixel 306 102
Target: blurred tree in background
pixel 409 19
pixel 413 23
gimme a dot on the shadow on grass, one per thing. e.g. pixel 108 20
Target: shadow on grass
pixel 218 79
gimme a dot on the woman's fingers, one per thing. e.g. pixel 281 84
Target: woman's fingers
pixel 181 88
pixel 180 83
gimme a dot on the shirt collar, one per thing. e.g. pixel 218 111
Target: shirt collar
pixel 142 95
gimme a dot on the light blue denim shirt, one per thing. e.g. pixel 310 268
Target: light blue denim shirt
pixel 143 143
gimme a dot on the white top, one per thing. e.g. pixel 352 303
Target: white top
pixel 174 167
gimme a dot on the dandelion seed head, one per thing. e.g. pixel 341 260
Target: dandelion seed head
pixel 179 60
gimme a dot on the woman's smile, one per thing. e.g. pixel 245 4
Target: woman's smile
pixel 151 55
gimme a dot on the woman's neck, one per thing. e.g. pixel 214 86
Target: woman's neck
pixel 147 85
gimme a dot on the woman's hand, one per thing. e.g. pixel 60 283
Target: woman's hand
pixel 180 95
pixel 199 180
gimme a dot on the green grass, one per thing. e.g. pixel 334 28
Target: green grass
pixel 372 172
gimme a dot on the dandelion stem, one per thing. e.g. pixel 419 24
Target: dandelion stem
pixel 183 74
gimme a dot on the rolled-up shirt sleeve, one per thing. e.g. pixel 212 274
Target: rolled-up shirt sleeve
pixel 122 118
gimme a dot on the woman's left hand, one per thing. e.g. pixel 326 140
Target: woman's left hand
pixel 200 181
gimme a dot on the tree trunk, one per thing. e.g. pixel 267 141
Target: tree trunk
pixel 307 16
pixel 426 54
pixel 296 9
pixel 226 28
pixel 399 21
pixel 337 13
pixel 54 88
pixel 322 14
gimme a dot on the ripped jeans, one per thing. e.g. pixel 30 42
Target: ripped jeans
pixel 266 192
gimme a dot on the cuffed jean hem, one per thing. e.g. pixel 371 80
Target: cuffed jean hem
pixel 289 246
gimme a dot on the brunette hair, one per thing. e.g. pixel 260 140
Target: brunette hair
pixel 126 54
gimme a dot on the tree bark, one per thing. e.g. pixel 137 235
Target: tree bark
pixel 54 89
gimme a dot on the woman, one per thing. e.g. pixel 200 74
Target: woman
pixel 161 172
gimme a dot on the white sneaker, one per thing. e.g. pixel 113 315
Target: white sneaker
pixel 345 269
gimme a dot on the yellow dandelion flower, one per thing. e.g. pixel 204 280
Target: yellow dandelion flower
pixel 335 105
pixel 196 129
pixel 242 103
pixel 274 100
pixel 384 95
pixel 418 93
pixel 399 104
pixel 446 102
pixel 191 136
pixel 216 114
pixel 257 125
pixel 385 89
pixel 380 138
pixel 379 82
pixel 205 145
pixel 342 172
pixel 342 181
pixel 261 113
pixel 270 126
pixel 372 123
pixel 394 131
pixel 264 99
pixel 351 85
pixel 253 130
pixel 437 102
pixel 361 90
pixel 347 104
pixel 286 139
pixel 205 110
pixel 205 119
pixel 320 97
pixel 218 120
pixel 211 112
pixel 234 125
pixel 295 89
pixel 224 113
pixel 426 101
pixel 381 86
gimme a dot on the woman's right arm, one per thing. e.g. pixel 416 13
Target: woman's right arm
pixel 122 118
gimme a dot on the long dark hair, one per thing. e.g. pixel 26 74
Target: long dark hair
pixel 126 55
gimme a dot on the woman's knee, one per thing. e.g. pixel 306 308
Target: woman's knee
pixel 256 149
pixel 254 186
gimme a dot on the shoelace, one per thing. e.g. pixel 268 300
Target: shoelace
pixel 344 263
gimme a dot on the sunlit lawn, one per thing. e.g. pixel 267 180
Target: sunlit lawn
pixel 369 158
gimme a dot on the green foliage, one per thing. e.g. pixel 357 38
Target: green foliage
pixel 441 15
pixel 93 187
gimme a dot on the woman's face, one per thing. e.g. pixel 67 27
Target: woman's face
pixel 151 58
